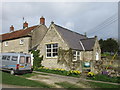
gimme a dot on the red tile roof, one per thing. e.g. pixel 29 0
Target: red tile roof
pixel 17 34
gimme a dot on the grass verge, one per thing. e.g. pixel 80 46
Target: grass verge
pixel 16 80
pixel 100 85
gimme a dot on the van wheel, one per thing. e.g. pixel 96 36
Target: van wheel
pixel 12 72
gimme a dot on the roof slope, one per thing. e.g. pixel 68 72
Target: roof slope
pixel 17 34
pixel 88 43
pixel 72 38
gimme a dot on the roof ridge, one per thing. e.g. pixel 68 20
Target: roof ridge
pixel 69 30
pixel 88 38
pixel 18 30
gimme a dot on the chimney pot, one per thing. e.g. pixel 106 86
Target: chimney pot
pixel 25 25
pixel 11 28
pixel 42 20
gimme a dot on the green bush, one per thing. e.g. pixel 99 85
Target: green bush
pixel 37 59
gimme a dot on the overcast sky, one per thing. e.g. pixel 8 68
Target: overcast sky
pixel 94 18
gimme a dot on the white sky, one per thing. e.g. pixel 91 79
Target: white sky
pixel 77 16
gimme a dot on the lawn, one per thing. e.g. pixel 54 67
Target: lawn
pixel 0 77
pixel 16 80
pixel 105 78
pixel 100 85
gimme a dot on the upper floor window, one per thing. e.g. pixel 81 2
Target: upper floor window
pixel 21 41
pixel 6 43
pixel 76 55
pixel 52 50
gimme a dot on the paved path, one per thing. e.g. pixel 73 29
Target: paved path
pixel 72 79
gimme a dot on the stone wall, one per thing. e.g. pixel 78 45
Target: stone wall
pixel 15 46
pixel 38 34
pixel 52 36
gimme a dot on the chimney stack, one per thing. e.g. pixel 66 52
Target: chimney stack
pixel 42 20
pixel 11 28
pixel 25 25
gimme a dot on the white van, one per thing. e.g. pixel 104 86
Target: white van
pixel 16 62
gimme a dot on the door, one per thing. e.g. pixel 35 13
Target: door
pixel 28 63
pixel 97 56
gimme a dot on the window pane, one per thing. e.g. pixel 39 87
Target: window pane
pixel 55 54
pixel 55 50
pixel 74 53
pixel 8 57
pixel 78 53
pixel 55 45
pixel 48 54
pixel 4 57
pixel 48 50
pixel 28 60
pixel 22 60
pixel 48 45
pixel 14 58
pixel 78 58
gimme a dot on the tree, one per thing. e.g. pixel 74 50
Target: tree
pixel 37 59
pixel 109 45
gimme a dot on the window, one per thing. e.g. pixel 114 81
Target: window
pixel 21 41
pixel 8 57
pixel 14 58
pixel 28 60
pixel 52 50
pixel 6 43
pixel 4 57
pixel 22 60
pixel 76 55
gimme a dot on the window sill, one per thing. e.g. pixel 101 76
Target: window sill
pixel 51 57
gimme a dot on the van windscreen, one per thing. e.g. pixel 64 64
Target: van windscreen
pixel 28 60
pixel 22 60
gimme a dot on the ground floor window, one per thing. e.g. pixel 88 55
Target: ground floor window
pixel 76 55
pixel 52 50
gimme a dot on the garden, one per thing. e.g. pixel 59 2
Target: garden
pixel 73 73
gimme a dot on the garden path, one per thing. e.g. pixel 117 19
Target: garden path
pixel 55 78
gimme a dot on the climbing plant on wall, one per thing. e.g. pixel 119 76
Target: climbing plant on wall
pixel 66 57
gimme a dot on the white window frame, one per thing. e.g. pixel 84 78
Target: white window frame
pixel 21 41
pixel 76 55
pixel 51 50
pixel 6 43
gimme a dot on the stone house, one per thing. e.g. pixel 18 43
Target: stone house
pixel 48 40
pixel 85 50
pixel 22 40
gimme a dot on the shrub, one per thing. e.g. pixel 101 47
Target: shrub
pixel 37 59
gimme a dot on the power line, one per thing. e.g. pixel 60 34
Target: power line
pixel 107 22
pixel 104 26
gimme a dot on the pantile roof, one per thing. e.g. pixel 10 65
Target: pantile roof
pixel 17 34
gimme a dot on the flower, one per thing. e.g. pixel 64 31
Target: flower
pixel 90 74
